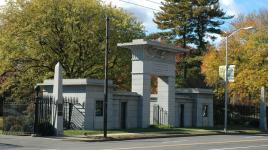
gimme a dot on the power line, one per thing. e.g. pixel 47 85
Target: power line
pixel 154 2
pixel 139 5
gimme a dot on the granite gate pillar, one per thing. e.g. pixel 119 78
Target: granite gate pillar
pixel 154 58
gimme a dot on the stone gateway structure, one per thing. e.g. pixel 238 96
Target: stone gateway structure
pixel 139 108
pixel 153 58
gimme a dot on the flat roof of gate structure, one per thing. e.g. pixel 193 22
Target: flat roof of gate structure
pixel 154 44
pixel 94 82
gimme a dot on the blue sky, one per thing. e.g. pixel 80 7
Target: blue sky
pixel 232 7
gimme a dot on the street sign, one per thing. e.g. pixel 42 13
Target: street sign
pixel 230 73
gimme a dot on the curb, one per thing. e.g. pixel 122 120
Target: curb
pixel 160 136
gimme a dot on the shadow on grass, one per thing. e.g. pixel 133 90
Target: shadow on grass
pixel 152 129
pixel 169 131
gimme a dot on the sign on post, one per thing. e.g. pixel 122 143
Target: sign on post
pixel 230 72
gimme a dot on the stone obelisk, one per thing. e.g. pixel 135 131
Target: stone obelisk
pixel 58 99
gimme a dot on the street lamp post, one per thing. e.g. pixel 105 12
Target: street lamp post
pixel 226 74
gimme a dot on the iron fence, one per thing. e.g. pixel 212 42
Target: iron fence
pixel 160 116
pixel 1 105
pixel 238 115
pixel 69 103
pixel 43 115
pixel 18 117
pixel 34 115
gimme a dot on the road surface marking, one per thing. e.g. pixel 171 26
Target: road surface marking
pixel 190 144
pixel 175 141
pixel 249 137
pixel 53 139
pixel 246 147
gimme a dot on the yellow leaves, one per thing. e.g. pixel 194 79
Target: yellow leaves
pixel 210 66
pixel 248 50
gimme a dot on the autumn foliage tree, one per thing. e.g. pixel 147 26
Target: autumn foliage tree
pixel 248 51
pixel 36 34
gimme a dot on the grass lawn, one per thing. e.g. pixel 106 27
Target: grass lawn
pixel 162 130
pixel 88 132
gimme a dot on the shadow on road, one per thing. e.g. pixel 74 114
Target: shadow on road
pixel 4 145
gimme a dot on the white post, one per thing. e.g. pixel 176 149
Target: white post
pixel 263 121
pixel 58 97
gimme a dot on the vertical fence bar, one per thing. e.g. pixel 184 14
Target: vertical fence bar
pixel 70 115
pixel 4 115
pixel 36 116
pixel 158 114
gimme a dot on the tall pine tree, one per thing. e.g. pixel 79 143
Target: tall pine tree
pixel 175 17
pixel 208 17
pixel 187 22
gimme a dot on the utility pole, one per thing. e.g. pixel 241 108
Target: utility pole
pixel 106 77
pixel 226 86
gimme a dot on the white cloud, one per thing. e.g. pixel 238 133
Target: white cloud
pixel 145 15
pixel 230 7
pixel 227 2
pixel 2 2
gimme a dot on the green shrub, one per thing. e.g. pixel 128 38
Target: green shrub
pixel 1 123
pixel 45 129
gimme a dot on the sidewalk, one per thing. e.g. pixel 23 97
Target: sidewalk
pixel 151 135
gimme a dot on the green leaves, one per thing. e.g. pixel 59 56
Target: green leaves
pixel 36 34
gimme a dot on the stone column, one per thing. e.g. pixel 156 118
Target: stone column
pixel 58 97
pixel 166 97
pixel 263 121
pixel 141 84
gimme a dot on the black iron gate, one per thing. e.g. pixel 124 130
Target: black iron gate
pixel 159 115
pixel 238 115
pixel 43 116
pixel 34 116
pixel 18 117
pixel 45 106
pixel 1 106
pixel 69 103
pixel 267 116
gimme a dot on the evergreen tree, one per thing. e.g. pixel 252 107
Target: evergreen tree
pixel 188 22
pixel 175 17
pixel 208 17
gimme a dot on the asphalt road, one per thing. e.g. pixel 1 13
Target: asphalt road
pixel 219 142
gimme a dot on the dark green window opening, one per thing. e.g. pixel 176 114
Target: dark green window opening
pixel 205 111
pixel 99 108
